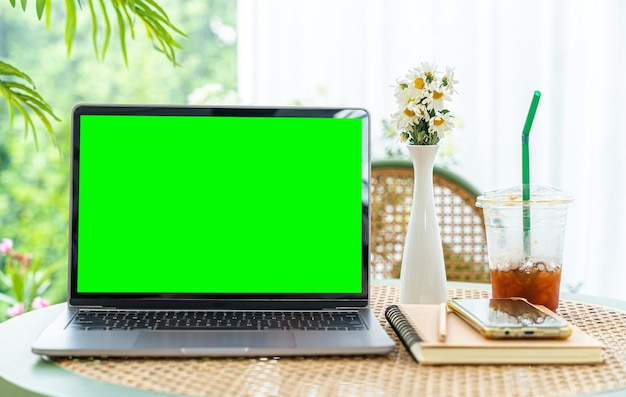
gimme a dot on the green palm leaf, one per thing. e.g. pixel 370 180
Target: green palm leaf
pixel 41 4
pixel 159 28
pixel 70 25
pixel 18 90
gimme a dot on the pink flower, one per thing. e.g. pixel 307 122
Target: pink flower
pixel 6 246
pixel 16 309
pixel 39 303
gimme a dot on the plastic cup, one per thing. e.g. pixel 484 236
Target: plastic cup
pixel 525 242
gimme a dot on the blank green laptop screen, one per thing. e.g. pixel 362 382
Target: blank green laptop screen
pixel 219 204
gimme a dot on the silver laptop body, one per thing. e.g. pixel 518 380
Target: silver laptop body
pixel 196 212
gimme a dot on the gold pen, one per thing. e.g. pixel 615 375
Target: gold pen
pixel 442 330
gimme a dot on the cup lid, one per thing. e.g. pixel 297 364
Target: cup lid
pixel 539 194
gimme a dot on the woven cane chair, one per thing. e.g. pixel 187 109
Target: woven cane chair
pixel 460 221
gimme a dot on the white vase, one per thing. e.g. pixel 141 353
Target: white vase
pixel 423 272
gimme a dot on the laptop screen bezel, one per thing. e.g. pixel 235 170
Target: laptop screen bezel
pixel 216 300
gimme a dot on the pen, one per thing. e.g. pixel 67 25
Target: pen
pixel 442 331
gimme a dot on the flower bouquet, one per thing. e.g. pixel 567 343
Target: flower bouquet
pixel 422 118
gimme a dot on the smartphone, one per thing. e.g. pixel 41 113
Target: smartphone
pixel 510 318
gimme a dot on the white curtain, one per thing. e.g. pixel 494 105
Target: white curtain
pixel 350 52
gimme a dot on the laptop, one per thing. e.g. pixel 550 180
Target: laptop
pixel 217 231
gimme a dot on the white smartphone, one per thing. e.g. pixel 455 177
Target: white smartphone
pixel 510 318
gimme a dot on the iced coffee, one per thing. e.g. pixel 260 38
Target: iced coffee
pixel 525 242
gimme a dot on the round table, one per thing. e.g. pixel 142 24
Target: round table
pixel 25 374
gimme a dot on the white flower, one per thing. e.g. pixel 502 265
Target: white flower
pixel 417 80
pixel 405 94
pixel 421 110
pixel 429 71
pixel 404 119
pixel 436 98
pixel 422 118
pixel 448 81
pixel 441 123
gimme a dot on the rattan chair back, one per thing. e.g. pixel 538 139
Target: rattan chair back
pixel 461 222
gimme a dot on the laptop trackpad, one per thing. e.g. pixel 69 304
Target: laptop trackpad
pixel 194 340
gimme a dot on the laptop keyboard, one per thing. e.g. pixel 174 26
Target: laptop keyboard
pixel 216 320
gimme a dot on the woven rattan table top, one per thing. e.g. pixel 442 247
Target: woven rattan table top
pixel 395 374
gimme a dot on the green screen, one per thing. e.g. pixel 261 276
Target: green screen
pixel 186 204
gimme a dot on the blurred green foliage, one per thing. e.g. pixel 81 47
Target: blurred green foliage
pixel 34 181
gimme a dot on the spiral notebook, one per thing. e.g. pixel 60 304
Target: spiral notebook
pixel 416 327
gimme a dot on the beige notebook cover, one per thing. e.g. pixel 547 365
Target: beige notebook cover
pixel 416 326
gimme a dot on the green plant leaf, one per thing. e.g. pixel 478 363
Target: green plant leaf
pixel 48 13
pixel 157 24
pixel 20 94
pixel 129 19
pixel 25 101
pixel 42 288
pixel 94 27
pixel 6 69
pixel 94 10
pixel 41 4
pixel 17 284
pixel 7 97
pixel 6 281
pixel 107 26
pixel 122 29
pixel 28 288
pixel 51 269
pixel 42 278
pixel 45 121
pixel 8 299
pixel 70 25
pixel 34 101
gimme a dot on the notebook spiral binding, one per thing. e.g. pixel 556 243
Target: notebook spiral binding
pixel 402 327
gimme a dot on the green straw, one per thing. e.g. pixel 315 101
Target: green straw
pixel 526 170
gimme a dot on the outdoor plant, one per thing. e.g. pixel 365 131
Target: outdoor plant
pixel 422 117
pixel 18 89
pixel 23 280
